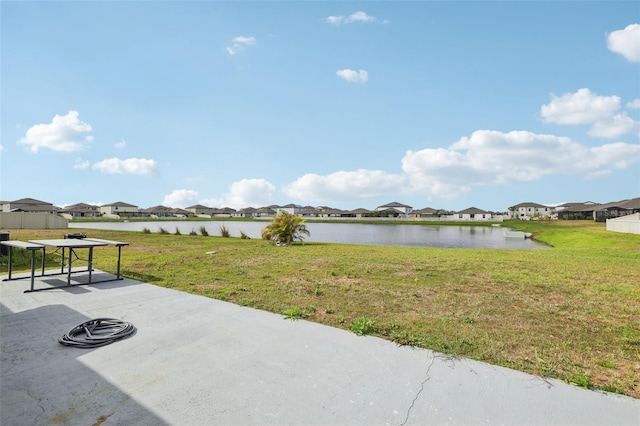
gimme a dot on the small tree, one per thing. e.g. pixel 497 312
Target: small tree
pixel 286 228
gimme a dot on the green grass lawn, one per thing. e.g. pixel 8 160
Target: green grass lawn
pixel 572 312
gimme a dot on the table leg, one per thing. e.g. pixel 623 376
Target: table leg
pixel 33 267
pixel 62 262
pixel 44 254
pixel 90 263
pixel 9 266
pixel 118 270
pixel 70 260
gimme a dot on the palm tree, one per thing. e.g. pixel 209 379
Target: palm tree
pixel 285 228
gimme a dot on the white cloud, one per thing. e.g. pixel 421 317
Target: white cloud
pixel 334 20
pixel 359 16
pixel 80 164
pixel 585 107
pixel 181 198
pixel 484 158
pixel 345 185
pixel 634 104
pixel 352 76
pixel 121 144
pixel 239 44
pixel 579 107
pixel 615 126
pixel 249 192
pixel 492 157
pixel 244 40
pixel 130 166
pixel 626 42
pixel 65 133
pixel 244 193
pixel 2 148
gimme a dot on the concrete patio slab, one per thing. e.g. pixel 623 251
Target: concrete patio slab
pixel 200 361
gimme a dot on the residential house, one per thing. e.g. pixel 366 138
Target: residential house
pixel 223 212
pixel 389 212
pixel 425 213
pixel 181 213
pixel 291 208
pixel 472 213
pixel 80 210
pixel 360 212
pixel 310 211
pixel 529 210
pixel 616 209
pixel 264 212
pixel 157 212
pixel 246 212
pixel 29 205
pixel 577 211
pixel 335 213
pixel 200 210
pixel 119 209
pixel 402 209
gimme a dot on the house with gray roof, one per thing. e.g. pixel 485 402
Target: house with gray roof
pixel 246 212
pixel 402 209
pixel 616 209
pixel 577 211
pixel 181 213
pixel 29 205
pixel 119 209
pixel 291 208
pixel 200 210
pixel 425 213
pixel 264 212
pixel 80 210
pixel 157 212
pixel 223 212
pixel 529 210
pixel 360 212
pixel 473 214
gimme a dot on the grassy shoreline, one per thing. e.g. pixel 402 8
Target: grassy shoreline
pixel 571 313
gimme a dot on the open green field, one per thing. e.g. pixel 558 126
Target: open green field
pixel 572 312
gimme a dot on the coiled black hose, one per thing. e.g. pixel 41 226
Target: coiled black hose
pixel 97 332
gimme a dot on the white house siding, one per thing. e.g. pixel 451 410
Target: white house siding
pixel 476 217
pixel 527 212
pixel 292 209
pixel 627 224
pixel 119 209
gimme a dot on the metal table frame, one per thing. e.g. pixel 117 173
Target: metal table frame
pixel 72 244
pixel 25 246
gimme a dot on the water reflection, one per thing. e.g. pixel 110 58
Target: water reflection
pixel 347 233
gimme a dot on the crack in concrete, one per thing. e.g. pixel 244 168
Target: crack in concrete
pixel 426 379
pixel 37 403
pixel 415 398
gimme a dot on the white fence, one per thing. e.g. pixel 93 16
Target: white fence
pixel 24 220
pixel 628 224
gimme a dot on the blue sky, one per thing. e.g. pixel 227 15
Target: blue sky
pixel 343 104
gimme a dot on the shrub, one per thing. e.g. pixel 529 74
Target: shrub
pixel 294 313
pixel 286 228
pixel 224 231
pixel 362 326
pixel 203 231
